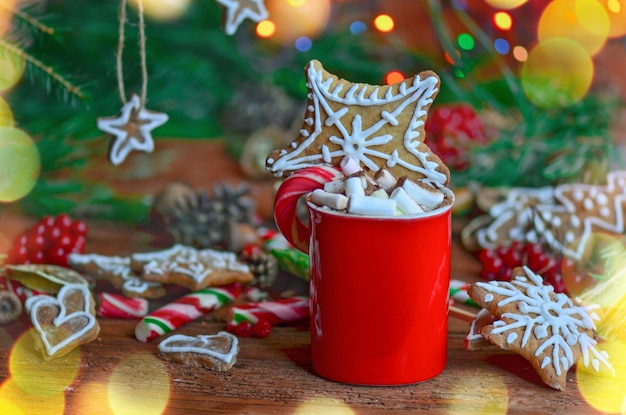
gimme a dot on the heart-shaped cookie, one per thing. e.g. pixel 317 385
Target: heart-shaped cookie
pixel 63 323
pixel 214 352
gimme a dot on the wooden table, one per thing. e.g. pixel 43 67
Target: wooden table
pixel 271 376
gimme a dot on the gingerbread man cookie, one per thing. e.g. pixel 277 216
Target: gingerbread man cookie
pixel 550 330
pixel 379 126
pixel 214 352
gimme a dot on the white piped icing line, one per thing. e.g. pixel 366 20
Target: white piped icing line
pixel 201 344
pixel 538 312
pixel 63 316
pixel 357 140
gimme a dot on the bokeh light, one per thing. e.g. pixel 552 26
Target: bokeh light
pixel 92 398
pixel 294 19
pixel 11 70
pixel 466 41
pixel 265 29
pixel 605 391
pixel 393 77
pixel 6 115
pixel 165 10
pixel 583 21
pixel 384 23
pixel 501 46
pixel 461 397
pixel 520 53
pixel 36 376
pixel 357 27
pixel 6 15
pixel 323 405
pixel 303 44
pixel 19 164
pixel 149 393
pixel 616 11
pixel 557 73
pixel 506 4
pixel 503 20
pixel 15 401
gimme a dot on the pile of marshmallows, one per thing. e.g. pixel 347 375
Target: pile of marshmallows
pixel 357 193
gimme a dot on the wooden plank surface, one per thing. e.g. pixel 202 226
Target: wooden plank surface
pixel 116 373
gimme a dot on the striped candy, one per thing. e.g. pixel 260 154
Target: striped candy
pixel 287 196
pixel 118 306
pixel 183 310
pixel 274 312
pixel 458 292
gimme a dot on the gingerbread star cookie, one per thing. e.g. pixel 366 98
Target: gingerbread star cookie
pixel 236 11
pixel 379 126
pixel 563 217
pixel 550 330
pixel 192 268
pixel 215 352
pixel 117 270
pixel 131 130
pixel 63 323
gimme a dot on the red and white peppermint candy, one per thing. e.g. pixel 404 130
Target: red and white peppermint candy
pixel 118 306
pixel 274 312
pixel 286 202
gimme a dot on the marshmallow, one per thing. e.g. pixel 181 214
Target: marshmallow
pixel 354 186
pixel 349 166
pixel 425 195
pixel 381 193
pixel 385 179
pixel 335 201
pixel 406 205
pixel 374 206
pixel 335 186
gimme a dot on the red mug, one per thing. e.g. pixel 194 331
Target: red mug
pixel 379 287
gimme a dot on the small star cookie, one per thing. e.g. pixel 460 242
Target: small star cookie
pixel 378 126
pixel 548 329
pixel 131 130
pixel 192 268
pixel 238 10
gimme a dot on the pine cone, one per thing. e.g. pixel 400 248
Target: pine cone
pixel 263 265
pixel 202 221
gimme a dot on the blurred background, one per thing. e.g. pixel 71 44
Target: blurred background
pixel 532 91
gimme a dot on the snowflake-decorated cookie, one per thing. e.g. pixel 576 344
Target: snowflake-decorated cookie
pixel 550 330
pixel 562 217
pixel 379 126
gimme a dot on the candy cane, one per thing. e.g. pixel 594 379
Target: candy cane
pixel 286 202
pixel 274 312
pixel 22 292
pixel 183 310
pixel 118 306
pixel 458 292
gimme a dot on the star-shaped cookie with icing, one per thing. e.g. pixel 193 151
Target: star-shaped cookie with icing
pixel 236 11
pixel 563 217
pixel 379 126
pixel 548 329
pixel 131 130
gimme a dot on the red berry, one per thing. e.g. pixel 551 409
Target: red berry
pixel 63 221
pixel 492 264
pixel 243 329
pixel 53 233
pixel 57 256
pixel 262 329
pixel 230 328
pixel 79 228
pixel 46 221
pixel 79 245
pixel 512 255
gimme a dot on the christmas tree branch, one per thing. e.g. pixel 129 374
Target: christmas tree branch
pixel 49 70
pixel 30 20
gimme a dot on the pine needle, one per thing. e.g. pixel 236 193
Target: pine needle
pixel 49 70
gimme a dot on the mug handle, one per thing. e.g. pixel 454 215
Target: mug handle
pixel 287 196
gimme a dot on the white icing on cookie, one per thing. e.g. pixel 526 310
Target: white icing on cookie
pixel 538 313
pixel 205 346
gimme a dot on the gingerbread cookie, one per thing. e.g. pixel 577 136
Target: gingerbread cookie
pixel 192 268
pixel 562 217
pixel 549 329
pixel 215 352
pixel 63 323
pixel 117 270
pixel 379 126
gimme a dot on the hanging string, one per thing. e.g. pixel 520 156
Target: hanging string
pixel 142 52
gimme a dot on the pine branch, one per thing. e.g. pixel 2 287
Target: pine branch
pixel 70 88
pixel 30 20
